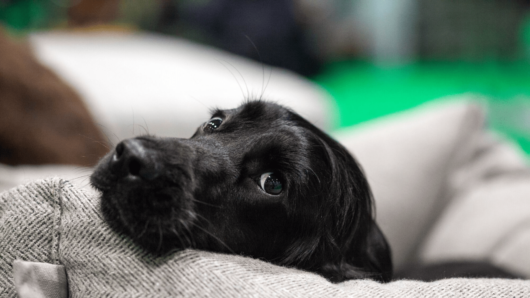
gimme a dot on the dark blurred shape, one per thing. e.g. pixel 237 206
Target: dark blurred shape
pixel 463 269
pixel 263 30
pixel 93 12
pixel 470 29
pixel 43 120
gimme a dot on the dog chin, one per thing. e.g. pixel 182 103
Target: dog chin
pixel 153 228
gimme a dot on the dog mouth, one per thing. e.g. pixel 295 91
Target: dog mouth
pixel 158 214
pixel 157 222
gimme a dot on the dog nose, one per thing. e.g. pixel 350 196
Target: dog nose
pixel 132 158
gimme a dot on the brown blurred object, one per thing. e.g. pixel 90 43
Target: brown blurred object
pixel 42 120
pixel 92 12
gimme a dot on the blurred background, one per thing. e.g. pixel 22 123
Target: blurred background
pixel 78 76
pixel 375 57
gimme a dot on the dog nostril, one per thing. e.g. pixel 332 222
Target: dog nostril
pixel 134 166
pixel 119 150
pixel 139 169
pixel 131 158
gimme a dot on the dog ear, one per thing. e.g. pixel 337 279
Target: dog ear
pixel 379 254
pixel 346 242
pixel 353 246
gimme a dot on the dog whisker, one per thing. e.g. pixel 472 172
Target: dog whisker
pixel 197 100
pixel 133 120
pixel 160 236
pixel 117 139
pixel 96 141
pixel 79 177
pixel 188 232
pixel 82 168
pixel 104 129
pixel 177 234
pixel 144 229
pixel 206 204
pixel 215 237
pixel 146 128
pixel 80 171
pixel 235 78
pixel 173 228
pixel 202 218
pixel 268 81
pixel 262 66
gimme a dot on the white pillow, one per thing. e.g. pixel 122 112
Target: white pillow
pixel 490 218
pixel 138 83
pixel 407 158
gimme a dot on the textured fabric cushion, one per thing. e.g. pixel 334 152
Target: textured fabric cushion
pixel 408 158
pixel 141 82
pixel 490 218
pixel 52 221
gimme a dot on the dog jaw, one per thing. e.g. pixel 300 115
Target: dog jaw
pixel 150 201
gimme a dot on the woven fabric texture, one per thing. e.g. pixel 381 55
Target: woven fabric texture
pixel 52 221
pixel 29 228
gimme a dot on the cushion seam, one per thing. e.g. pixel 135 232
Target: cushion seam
pixel 57 213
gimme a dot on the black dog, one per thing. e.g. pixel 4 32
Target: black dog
pixel 258 181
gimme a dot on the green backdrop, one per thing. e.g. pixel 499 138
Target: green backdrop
pixel 364 91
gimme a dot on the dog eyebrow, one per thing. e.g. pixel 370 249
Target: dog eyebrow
pixel 218 113
pixel 280 155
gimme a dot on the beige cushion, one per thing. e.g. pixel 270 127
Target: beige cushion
pixel 53 222
pixel 490 218
pixel 407 158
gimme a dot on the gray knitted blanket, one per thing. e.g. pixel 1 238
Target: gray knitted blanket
pixel 52 222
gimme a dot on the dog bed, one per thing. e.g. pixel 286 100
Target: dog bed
pixel 65 248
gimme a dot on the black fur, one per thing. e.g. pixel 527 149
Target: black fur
pixel 204 193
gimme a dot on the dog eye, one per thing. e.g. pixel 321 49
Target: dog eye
pixel 213 124
pixel 270 183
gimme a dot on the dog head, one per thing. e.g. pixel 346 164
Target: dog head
pixel 258 181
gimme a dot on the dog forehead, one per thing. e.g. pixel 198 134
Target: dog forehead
pixel 260 129
pixel 259 111
pixel 263 125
